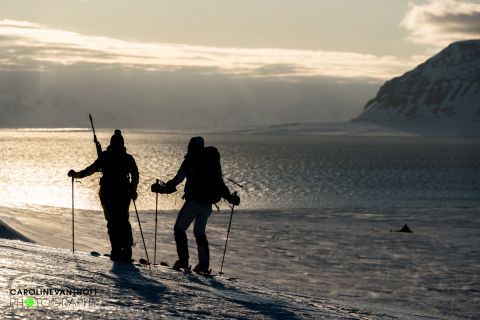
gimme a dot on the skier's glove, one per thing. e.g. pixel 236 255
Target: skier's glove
pixel 163 188
pixel 72 173
pixel 233 199
pixel 157 187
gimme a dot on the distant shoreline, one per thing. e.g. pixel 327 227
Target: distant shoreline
pixel 417 128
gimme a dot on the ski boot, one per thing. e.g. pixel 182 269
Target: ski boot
pixel 115 254
pixel 126 255
pixel 202 270
pixel 180 265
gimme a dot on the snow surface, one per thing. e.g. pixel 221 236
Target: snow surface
pixel 117 290
pixel 328 264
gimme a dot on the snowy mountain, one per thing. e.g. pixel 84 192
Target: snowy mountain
pixel 140 99
pixel 45 110
pixel 445 88
pixel 33 100
pixel 30 102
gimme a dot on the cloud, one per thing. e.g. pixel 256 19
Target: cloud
pixel 30 45
pixel 441 22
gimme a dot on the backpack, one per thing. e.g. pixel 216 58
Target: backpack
pixel 209 176
pixel 116 169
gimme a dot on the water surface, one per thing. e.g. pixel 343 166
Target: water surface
pixel 276 171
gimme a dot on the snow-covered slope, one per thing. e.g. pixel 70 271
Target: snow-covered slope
pixel 444 128
pixel 445 87
pixel 39 282
pixel 326 264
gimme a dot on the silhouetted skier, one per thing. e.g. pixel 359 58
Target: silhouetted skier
pixel 118 185
pixel 204 187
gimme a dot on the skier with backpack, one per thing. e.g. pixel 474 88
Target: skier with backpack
pixel 118 186
pixel 204 186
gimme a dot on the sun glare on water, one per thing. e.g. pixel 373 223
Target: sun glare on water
pixel 34 165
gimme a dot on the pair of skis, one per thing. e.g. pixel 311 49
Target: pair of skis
pixel 144 262
pixel 141 261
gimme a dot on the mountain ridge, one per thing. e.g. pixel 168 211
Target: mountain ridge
pixel 446 86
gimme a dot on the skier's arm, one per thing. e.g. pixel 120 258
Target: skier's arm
pixel 91 169
pixel 181 174
pixel 134 175
pixel 232 198
pixel 88 171
pixel 225 192
pixel 171 185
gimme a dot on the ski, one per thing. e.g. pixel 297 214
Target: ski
pixel 187 271
pixel 206 275
pixel 190 271
pixel 183 270
pixel 141 262
pixel 162 264
pixel 97 254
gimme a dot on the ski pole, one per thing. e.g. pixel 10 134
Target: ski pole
pixel 95 140
pixel 73 216
pixel 226 241
pixel 141 232
pixel 156 221
pixel 234 182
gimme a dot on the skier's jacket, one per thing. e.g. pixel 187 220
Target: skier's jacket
pixel 119 171
pixel 203 172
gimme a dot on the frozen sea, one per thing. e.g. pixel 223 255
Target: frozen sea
pixel 315 217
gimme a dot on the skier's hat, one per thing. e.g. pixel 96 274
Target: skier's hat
pixel 117 139
pixel 195 144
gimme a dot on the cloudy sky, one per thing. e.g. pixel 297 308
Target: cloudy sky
pixel 255 44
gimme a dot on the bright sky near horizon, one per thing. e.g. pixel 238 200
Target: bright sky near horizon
pixel 346 38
